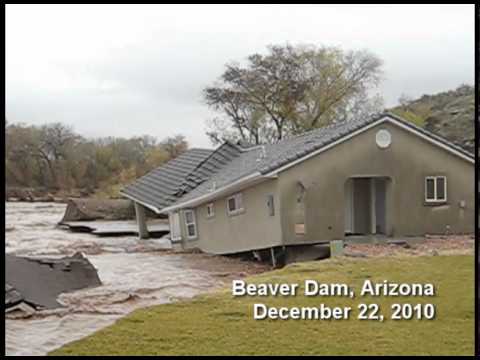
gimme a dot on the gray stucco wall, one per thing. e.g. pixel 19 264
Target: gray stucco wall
pixel 253 228
pixel 407 161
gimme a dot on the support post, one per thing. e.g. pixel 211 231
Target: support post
pixel 373 206
pixel 141 221
pixel 274 260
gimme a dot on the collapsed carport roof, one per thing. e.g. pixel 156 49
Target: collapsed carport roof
pixel 157 188
pixel 164 185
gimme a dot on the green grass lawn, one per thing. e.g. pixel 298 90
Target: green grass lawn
pixel 222 325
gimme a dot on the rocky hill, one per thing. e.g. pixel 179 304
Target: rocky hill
pixel 449 114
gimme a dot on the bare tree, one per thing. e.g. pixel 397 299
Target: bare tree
pixel 54 140
pixel 290 90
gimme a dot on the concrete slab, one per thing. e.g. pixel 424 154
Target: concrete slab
pixel 156 228
pixel 39 281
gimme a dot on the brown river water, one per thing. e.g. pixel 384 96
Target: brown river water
pixel 134 274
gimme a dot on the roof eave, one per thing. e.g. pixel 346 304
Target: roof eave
pixel 149 206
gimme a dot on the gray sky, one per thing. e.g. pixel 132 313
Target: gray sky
pixel 129 70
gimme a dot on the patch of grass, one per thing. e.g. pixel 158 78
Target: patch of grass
pixel 218 324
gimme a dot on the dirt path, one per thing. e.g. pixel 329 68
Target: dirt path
pixel 432 245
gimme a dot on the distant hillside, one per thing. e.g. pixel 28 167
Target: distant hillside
pixel 449 114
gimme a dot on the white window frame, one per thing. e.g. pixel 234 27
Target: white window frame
pixel 238 200
pixel 435 199
pixel 187 224
pixel 210 210
pixel 174 220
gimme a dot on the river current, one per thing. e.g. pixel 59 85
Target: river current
pixel 134 273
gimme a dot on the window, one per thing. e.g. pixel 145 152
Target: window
pixel 210 211
pixel 234 204
pixel 436 189
pixel 175 233
pixel 190 224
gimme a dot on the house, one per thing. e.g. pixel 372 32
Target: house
pixel 381 176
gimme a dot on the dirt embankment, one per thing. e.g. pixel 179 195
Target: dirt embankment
pixel 42 194
pixel 225 268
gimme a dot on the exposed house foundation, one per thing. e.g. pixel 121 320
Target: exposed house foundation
pixel 274 260
pixel 281 256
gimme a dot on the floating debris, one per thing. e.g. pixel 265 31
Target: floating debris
pixel 35 283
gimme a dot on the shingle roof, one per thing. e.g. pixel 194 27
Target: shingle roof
pixel 159 187
pixel 243 165
pixel 267 158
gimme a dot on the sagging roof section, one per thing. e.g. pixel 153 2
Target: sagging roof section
pixel 158 188
pixel 211 165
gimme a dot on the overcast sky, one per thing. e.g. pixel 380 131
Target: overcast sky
pixel 139 69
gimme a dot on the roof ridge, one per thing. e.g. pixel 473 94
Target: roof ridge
pixel 372 118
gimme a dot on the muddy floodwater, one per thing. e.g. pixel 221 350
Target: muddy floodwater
pixel 135 273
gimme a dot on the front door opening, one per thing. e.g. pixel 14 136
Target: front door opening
pixel 365 206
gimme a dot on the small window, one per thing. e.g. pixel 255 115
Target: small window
pixel 190 224
pixel 435 189
pixel 175 233
pixel 234 204
pixel 210 211
pixel 430 189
